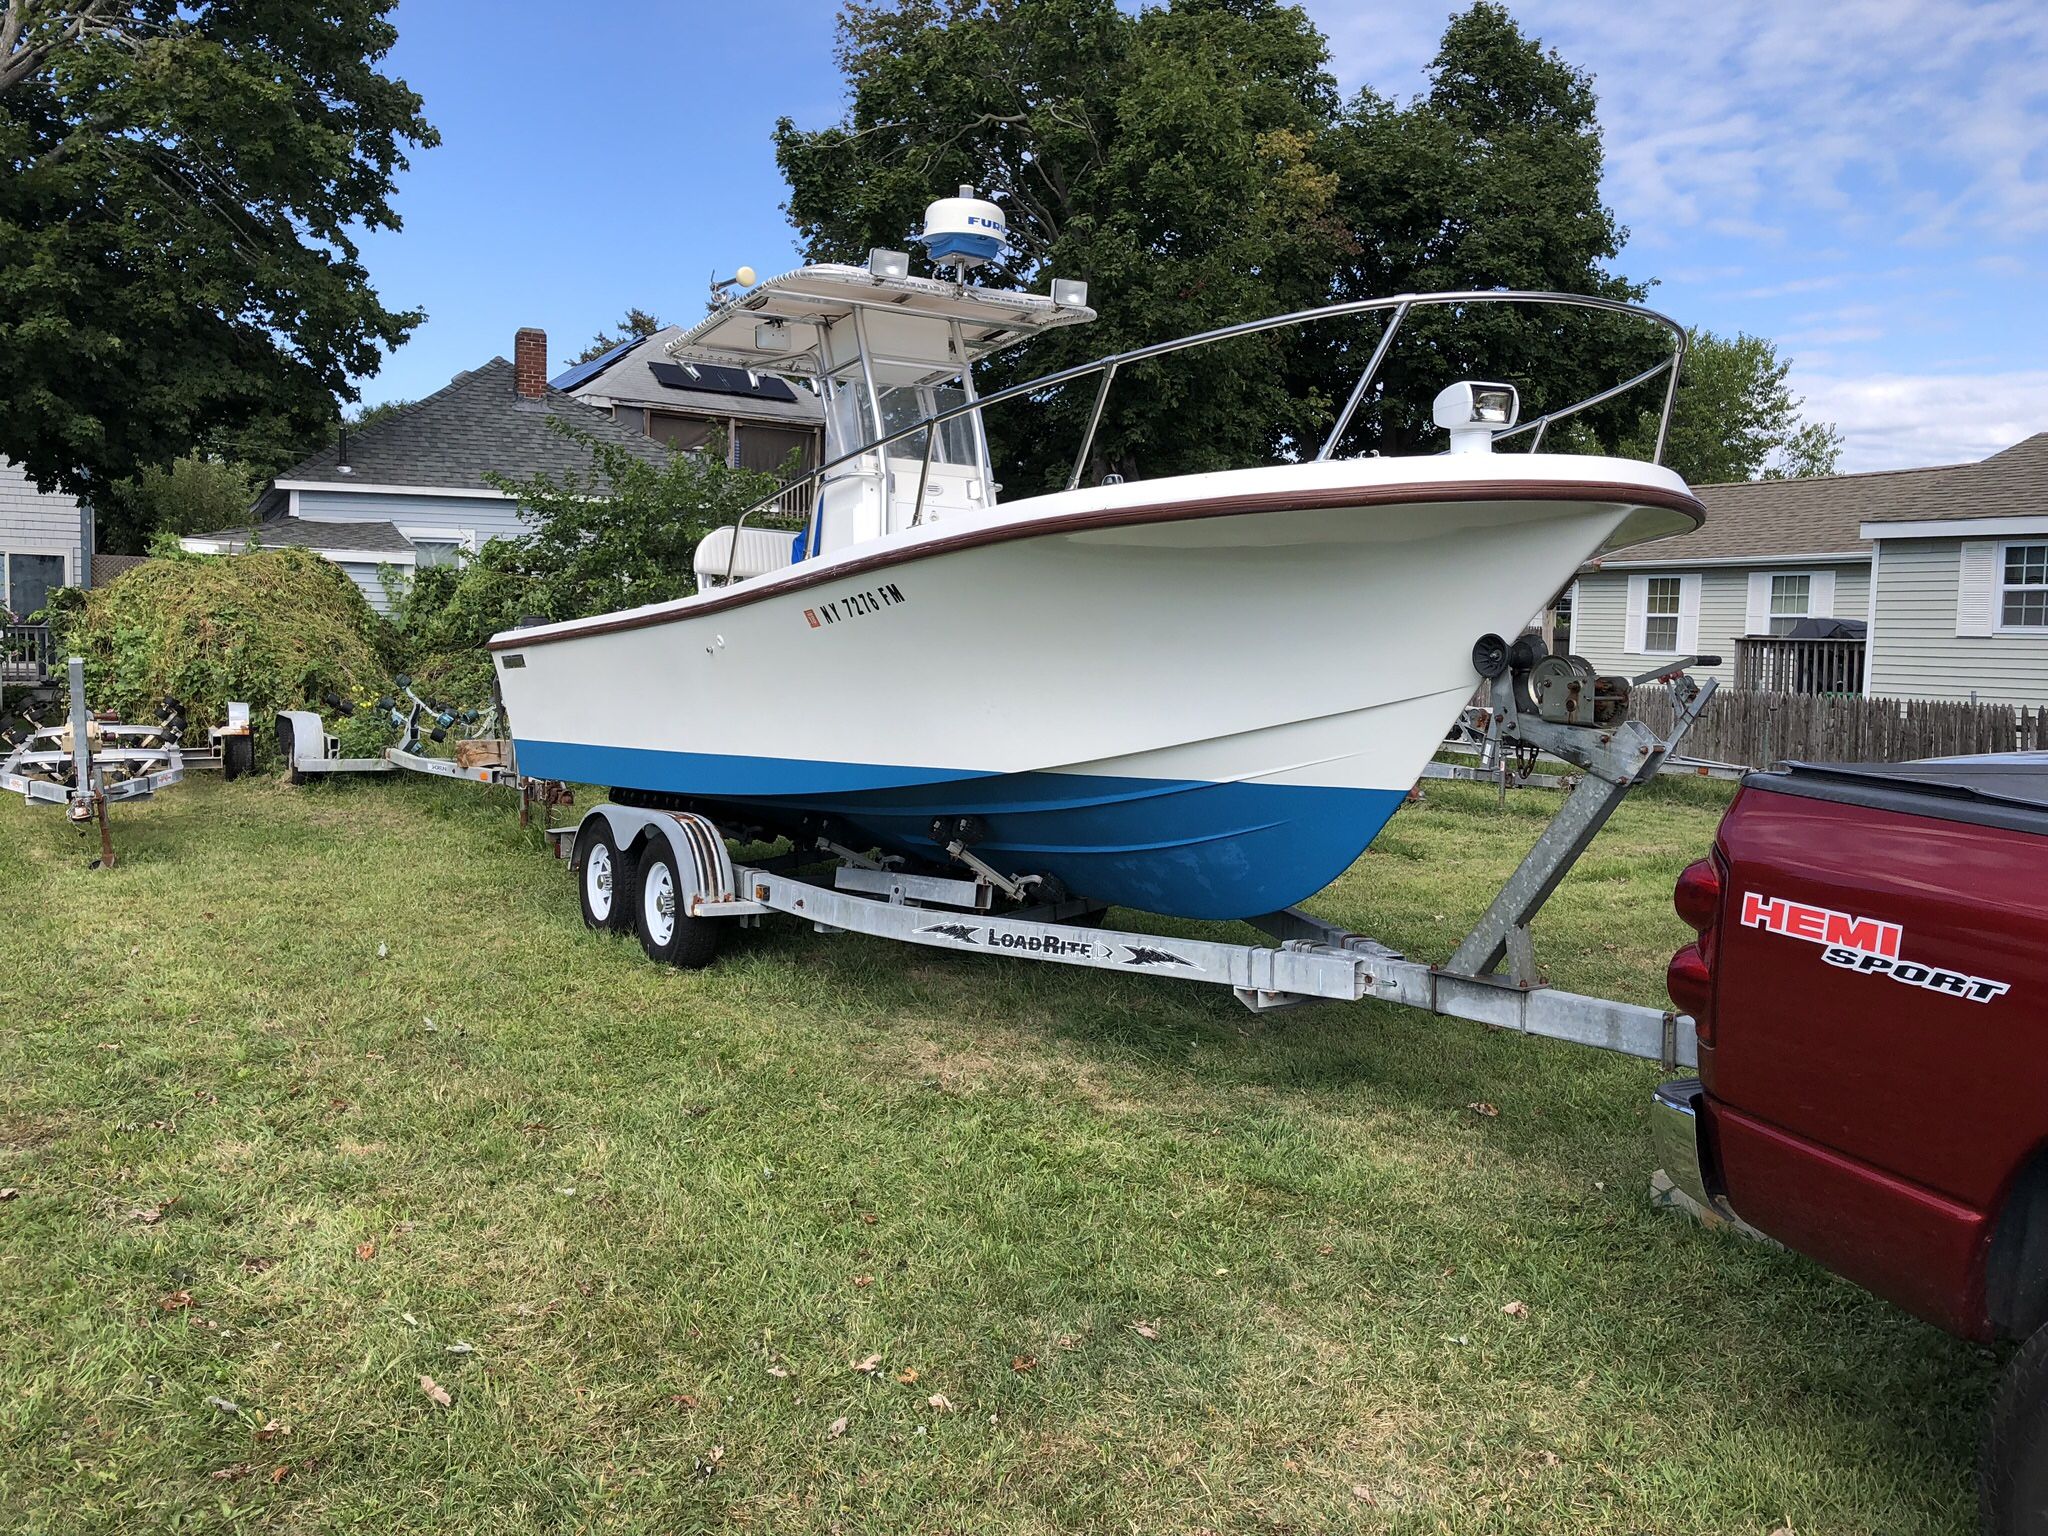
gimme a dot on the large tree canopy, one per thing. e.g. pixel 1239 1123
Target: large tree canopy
pixel 1737 419
pixel 1193 161
pixel 182 182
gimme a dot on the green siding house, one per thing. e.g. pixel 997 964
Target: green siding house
pixel 1919 583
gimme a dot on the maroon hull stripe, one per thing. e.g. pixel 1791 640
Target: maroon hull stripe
pixel 1126 517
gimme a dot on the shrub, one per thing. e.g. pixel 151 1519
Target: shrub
pixel 277 628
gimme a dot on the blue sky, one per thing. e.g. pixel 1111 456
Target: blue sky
pixel 1864 181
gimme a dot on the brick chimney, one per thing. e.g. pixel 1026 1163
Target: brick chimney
pixel 530 363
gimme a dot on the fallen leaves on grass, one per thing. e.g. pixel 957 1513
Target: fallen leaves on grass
pixel 436 1391
pixel 860 1282
pixel 367 1249
pixel 233 1473
pixel 869 1366
pixel 1516 1309
pixel 686 1401
pixel 1363 1494
pixel 1145 1330
pixel 257 1264
pixel 10 1193
pixel 907 1375
pixel 707 1464
pixel 779 1372
pixel 150 1215
pixel 223 1404
pixel 177 1301
pixel 271 1429
pixel 1023 1363
pixel 939 1401
pixel 280 1472
pixel 1483 1109
pixel 836 1428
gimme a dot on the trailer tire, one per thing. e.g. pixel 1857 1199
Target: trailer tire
pixel 2012 1479
pixel 291 757
pixel 604 878
pixel 668 933
pixel 237 757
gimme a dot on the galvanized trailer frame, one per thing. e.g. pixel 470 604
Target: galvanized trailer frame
pixel 615 847
pixel 127 762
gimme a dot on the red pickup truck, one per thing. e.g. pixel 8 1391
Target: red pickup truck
pixel 1870 989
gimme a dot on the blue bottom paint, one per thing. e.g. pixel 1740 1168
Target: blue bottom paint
pixel 1186 848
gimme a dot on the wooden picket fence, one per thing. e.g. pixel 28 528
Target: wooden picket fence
pixel 1755 730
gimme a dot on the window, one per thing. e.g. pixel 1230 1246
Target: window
pixel 2023 598
pixel 30 581
pixel 1660 616
pixel 438 546
pixel 1791 601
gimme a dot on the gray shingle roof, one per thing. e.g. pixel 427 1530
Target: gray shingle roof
pixel 306 533
pixel 478 422
pixel 2011 483
pixel 629 380
pixel 1820 516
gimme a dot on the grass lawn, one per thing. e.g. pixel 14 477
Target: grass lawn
pixel 325 1091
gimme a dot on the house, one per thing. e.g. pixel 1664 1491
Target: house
pixel 1779 584
pixel 45 542
pixel 410 491
pixel 760 419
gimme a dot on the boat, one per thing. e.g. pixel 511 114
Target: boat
pixel 1198 695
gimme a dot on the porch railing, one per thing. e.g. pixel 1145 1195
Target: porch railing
pixel 1781 664
pixel 25 652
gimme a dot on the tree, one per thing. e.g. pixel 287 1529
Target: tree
pixel 177 264
pixel 196 494
pixel 369 415
pixel 634 324
pixel 620 535
pixel 1193 161
pixel 1735 418
pixel 1166 156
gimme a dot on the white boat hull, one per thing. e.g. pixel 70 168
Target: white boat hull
pixel 1200 696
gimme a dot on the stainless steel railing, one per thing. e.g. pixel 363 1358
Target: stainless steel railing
pixel 1400 307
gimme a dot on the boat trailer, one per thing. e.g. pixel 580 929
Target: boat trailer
pixel 668 876
pixel 482 754
pixel 87 764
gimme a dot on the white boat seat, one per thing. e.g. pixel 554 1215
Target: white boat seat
pixel 761 550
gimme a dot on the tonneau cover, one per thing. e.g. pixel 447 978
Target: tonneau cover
pixel 2008 789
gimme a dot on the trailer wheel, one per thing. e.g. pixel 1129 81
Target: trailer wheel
pixel 291 757
pixel 604 878
pixel 237 757
pixel 2012 1481
pixel 668 933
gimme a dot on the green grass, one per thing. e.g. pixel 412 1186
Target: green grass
pixel 669 1211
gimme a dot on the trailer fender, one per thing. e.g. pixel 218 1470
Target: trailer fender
pixel 302 735
pixel 703 866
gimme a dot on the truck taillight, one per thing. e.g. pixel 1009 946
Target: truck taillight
pixel 1690 977
pixel 1697 897
pixel 1691 985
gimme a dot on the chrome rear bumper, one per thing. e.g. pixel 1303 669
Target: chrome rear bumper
pixel 1675 1131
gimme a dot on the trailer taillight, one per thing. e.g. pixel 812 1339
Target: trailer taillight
pixel 1697 897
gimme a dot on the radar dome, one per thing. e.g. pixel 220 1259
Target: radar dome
pixel 964 231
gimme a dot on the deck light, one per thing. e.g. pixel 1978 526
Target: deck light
pixel 1070 292
pixel 771 336
pixel 887 264
pixel 1472 412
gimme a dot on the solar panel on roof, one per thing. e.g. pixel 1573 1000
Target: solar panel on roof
pixel 710 379
pixel 583 373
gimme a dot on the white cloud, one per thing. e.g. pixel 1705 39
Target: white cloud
pixel 1903 420
pixel 1898 120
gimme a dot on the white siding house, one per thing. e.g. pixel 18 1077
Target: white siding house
pixel 45 542
pixel 415 489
